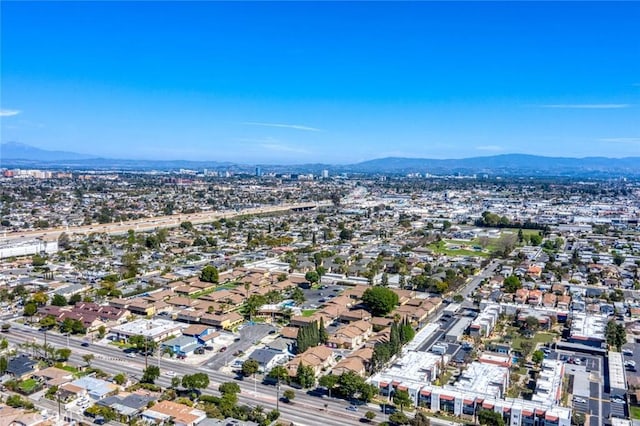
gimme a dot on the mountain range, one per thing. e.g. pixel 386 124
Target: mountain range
pixel 13 154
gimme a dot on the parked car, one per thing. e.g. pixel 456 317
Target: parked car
pixel 578 399
pixel 627 352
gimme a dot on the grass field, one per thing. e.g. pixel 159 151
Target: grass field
pixel 541 337
pixel 441 248
pixel 28 385
pixel 308 312
pixel 634 412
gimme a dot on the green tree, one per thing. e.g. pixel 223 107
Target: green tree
pixel 209 274
pixel 369 415
pixel 279 373
pixel 402 398
pixel 312 277
pixel 120 379
pixel 458 298
pixel 289 395
pixel 618 259
pixel 511 284
pixel 30 309
pixel 229 388
pixel 59 300
pixel 88 358
pixel 75 298
pixel 48 322
pixel 250 367
pixel 537 357
pixel 3 364
pixel 329 381
pixel 175 382
pixel 305 376
pixel 346 235
pixel 399 418
pixel 150 374
pixel 297 295
pixel 102 331
pixel 380 300
pixel 38 261
pixel 195 381
pixel 420 419
pixel 535 239
pixel 490 418
pixel 616 334
pixel 62 354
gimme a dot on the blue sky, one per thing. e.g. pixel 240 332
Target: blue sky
pixel 335 82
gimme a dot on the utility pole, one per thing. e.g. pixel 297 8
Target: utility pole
pixel 145 352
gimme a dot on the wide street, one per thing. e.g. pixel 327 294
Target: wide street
pixel 149 224
pixel 304 410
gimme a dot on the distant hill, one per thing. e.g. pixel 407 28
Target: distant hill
pixel 13 154
pixel 506 163
pixel 20 151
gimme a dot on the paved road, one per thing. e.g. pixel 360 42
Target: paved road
pixel 306 410
pixel 475 281
pixel 149 224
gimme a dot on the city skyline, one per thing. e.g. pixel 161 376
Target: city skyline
pixel 306 82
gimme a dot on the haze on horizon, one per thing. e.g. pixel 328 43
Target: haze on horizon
pixel 339 82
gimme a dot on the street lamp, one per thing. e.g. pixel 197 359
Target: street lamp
pixel 278 396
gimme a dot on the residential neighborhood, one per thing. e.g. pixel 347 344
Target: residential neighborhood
pixel 384 300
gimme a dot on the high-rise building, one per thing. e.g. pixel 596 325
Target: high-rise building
pixel 325 174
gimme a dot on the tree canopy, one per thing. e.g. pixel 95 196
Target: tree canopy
pixel 209 274
pixel 380 300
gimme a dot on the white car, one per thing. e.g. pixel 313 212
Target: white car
pixel 171 373
pixel 578 399
pixel 630 362
pixel 131 355
pixel 628 352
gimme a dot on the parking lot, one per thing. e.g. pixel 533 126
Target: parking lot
pixel 249 336
pixel 314 298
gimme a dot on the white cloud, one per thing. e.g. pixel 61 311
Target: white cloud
pixel 586 106
pixel 489 148
pixel 9 112
pixel 620 140
pixel 283 126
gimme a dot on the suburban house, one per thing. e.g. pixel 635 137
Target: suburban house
pixel 268 358
pixel 169 412
pixel 21 367
pixel 317 357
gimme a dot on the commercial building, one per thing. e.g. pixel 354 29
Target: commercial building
pixel 15 248
pixel 154 329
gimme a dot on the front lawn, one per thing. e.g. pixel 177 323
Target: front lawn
pixel 634 412
pixel 29 386
pixel 308 312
